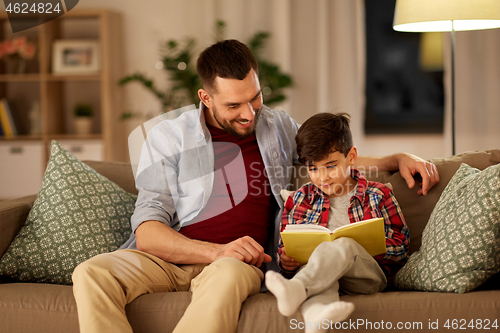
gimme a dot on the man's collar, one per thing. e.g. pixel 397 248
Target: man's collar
pixel 204 129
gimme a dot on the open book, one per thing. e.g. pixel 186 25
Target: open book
pixel 300 240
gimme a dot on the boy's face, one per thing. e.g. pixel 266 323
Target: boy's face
pixel 332 175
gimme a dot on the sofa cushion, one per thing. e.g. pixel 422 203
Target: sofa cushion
pixel 52 308
pixel 460 248
pixel 78 214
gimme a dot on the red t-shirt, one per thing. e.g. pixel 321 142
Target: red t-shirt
pixel 252 215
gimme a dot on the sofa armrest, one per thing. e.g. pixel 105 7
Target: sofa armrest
pixel 13 214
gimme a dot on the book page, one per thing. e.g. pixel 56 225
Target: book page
pixel 306 228
pixel 370 234
pixel 357 224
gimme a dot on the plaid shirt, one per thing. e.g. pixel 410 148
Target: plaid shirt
pixel 371 200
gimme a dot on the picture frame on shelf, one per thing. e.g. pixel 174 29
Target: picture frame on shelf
pixel 75 57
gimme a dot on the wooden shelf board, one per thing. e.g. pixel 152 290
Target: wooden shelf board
pixel 74 137
pixel 37 77
pixel 20 77
pixel 26 137
pixel 73 77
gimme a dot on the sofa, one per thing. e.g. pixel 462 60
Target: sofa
pixel 36 307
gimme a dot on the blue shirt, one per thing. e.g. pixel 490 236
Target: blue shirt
pixel 175 172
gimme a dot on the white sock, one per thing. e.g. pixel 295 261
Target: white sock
pixel 289 293
pixel 333 312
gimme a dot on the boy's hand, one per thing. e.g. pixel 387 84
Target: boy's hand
pixel 288 263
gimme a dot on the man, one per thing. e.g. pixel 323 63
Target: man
pixel 208 204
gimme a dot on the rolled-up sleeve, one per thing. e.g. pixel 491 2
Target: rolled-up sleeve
pixel 154 201
pixel 156 181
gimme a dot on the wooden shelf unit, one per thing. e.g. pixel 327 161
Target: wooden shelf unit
pixel 58 94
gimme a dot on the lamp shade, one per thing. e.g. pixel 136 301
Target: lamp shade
pixel 446 15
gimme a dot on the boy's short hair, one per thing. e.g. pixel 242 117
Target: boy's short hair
pixel 323 134
pixel 228 59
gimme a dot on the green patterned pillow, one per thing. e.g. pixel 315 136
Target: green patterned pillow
pixel 460 244
pixel 78 214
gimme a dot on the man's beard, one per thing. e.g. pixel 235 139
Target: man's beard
pixel 230 129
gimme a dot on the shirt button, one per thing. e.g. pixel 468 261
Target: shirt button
pixel 323 209
pixel 276 154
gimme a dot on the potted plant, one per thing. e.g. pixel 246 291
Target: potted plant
pixel 83 119
pixel 177 60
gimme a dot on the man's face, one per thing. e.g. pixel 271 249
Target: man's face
pixel 235 106
pixel 332 175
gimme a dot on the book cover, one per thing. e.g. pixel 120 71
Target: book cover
pixel 4 122
pixel 9 116
pixel 300 240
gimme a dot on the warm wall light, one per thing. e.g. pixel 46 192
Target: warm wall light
pixel 431 51
pixel 447 15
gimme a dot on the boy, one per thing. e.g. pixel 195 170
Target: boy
pixel 338 195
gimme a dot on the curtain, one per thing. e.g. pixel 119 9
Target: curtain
pixel 477 89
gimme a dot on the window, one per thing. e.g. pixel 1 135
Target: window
pixel 404 76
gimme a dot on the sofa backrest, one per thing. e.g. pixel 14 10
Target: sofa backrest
pixel 416 208
pixel 118 172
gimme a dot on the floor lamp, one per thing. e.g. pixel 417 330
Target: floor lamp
pixel 451 16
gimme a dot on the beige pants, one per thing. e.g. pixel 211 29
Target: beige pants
pixel 104 284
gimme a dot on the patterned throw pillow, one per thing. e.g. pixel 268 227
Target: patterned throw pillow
pixel 78 214
pixel 460 244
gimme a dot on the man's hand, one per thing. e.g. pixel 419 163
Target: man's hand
pixel 288 263
pixel 245 249
pixel 410 164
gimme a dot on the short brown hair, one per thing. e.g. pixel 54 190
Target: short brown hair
pixel 228 59
pixel 322 134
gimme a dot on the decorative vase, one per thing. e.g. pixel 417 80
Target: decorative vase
pixel 16 65
pixel 83 125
